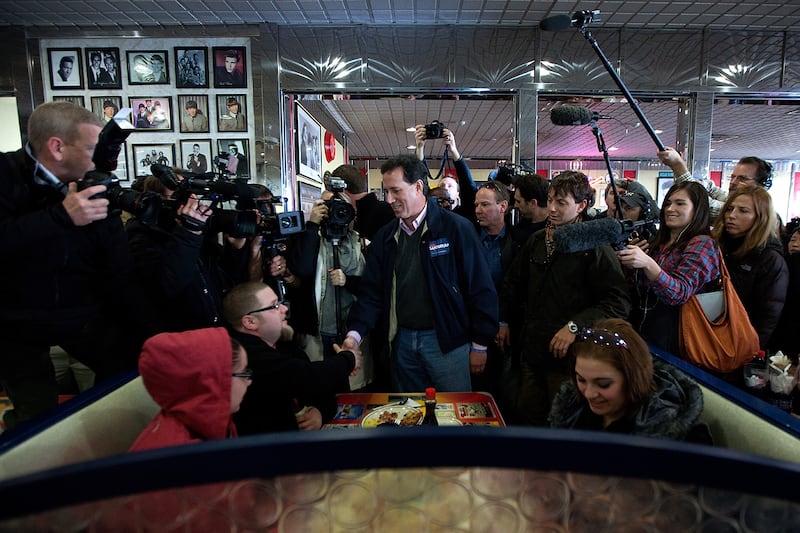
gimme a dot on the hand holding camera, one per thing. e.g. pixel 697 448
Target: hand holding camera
pixel 82 208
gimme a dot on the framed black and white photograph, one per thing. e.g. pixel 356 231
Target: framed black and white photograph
pixel 77 99
pixel 103 68
pixel 65 68
pixel 148 67
pixel 145 155
pixel 235 153
pixel 307 194
pixel 309 145
pixel 151 113
pixel 196 156
pixel 231 112
pixel 106 107
pixel 193 111
pixel 191 67
pixel 230 67
pixel 664 185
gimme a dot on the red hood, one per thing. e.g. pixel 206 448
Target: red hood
pixel 189 375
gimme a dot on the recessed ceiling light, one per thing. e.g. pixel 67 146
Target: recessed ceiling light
pixel 411 147
pixel 659 131
pixel 612 148
pixel 411 129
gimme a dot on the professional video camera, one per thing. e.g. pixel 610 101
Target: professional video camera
pixel 250 217
pixel 434 130
pixel 221 163
pixel 340 212
pixel 106 152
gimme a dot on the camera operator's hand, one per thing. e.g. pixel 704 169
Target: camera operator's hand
pixel 337 277
pixel 635 257
pixel 194 210
pixel 671 158
pixel 81 208
pixel 319 212
pixel 419 139
pixel 277 266
pixel 641 243
pixel 450 141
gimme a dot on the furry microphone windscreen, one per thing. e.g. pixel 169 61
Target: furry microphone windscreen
pixel 587 235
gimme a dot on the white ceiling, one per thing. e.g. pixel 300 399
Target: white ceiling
pixel 482 127
pixel 678 14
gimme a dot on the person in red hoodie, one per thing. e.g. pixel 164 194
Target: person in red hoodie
pixel 199 378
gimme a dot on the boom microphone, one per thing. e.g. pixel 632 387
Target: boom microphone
pixel 573 115
pixel 557 23
pixel 587 235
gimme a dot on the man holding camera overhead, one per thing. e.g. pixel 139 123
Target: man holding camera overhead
pixel 428 285
pixel 67 278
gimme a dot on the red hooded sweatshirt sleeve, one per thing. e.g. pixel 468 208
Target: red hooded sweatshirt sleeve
pixel 189 375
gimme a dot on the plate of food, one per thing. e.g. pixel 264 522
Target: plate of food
pixel 393 414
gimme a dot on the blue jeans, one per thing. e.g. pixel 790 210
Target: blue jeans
pixel 418 362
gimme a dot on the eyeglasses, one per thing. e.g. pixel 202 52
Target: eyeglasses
pixel 247 373
pixel 268 308
pixel 602 337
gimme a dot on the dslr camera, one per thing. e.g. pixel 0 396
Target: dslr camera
pixel 434 130
pixel 109 143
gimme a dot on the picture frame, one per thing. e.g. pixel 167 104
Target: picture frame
pixel 65 74
pixel 307 193
pixel 103 69
pixel 147 67
pixel 101 108
pixel 145 155
pixel 75 99
pixel 241 169
pixel 191 67
pixel 664 185
pixel 151 113
pixel 230 67
pixel 193 112
pixel 309 145
pixel 121 172
pixel 197 161
pixel 231 112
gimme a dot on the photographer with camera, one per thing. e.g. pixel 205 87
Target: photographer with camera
pixel 462 192
pixel 328 261
pixel 371 213
pixel 70 282
pixel 180 263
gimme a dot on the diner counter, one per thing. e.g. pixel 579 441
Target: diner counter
pixel 355 410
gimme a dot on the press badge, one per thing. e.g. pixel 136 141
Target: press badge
pixel 439 247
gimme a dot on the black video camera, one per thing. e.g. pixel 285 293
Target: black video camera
pixel 632 230
pixel 340 212
pixel 251 216
pixel 434 130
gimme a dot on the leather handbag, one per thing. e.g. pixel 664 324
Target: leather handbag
pixel 719 337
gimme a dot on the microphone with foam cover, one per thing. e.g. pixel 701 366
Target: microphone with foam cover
pixel 571 115
pixel 587 235
pixel 557 23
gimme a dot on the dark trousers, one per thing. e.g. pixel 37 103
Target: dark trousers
pixel 26 371
pixel 538 386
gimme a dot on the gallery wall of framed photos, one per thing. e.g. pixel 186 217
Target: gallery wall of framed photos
pixel 191 99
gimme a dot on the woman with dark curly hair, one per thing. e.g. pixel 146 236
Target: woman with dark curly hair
pixel 616 386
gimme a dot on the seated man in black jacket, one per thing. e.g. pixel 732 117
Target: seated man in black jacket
pixel 288 392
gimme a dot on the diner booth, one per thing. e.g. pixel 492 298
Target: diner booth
pixel 71 473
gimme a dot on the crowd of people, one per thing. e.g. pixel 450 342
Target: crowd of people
pixel 441 288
